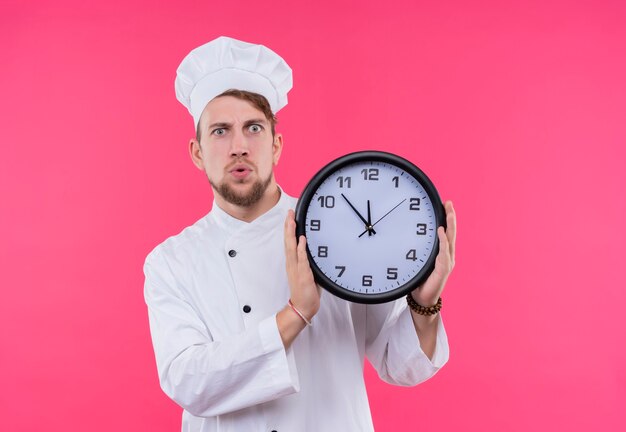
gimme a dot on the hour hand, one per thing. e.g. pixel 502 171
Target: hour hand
pixel 367 225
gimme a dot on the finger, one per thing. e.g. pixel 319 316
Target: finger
pixel 442 264
pixel 444 244
pixel 290 239
pixel 302 250
pixel 303 259
pixel 433 286
pixel 451 229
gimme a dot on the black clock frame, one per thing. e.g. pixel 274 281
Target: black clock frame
pixel 370 156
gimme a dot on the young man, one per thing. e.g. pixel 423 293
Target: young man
pixel 231 297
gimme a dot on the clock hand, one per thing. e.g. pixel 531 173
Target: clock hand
pixel 370 228
pixel 367 225
pixel 395 207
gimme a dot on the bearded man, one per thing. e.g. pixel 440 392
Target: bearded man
pixel 243 339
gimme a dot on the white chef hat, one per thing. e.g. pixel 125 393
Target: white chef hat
pixel 226 63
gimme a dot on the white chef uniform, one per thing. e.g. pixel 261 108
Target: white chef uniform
pixel 213 292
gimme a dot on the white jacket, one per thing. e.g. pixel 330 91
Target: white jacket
pixel 228 368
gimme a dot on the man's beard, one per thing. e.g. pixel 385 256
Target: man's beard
pixel 231 196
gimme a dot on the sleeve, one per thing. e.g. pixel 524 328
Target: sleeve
pixel 210 377
pixel 393 348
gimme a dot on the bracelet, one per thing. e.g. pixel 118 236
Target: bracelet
pixel 423 310
pixel 309 323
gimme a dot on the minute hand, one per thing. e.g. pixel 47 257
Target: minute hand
pixel 383 216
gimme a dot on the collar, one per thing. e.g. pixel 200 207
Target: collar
pixel 233 225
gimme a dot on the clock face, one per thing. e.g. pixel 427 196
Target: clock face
pixel 370 219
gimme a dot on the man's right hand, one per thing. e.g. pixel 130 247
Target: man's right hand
pixel 305 294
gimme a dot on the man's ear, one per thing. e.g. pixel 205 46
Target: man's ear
pixel 195 151
pixel 277 148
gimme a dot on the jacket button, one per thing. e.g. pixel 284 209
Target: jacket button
pixel 247 309
pixel 232 253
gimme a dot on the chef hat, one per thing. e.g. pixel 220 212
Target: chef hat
pixel 226 63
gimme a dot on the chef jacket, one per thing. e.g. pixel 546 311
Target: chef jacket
pixel 213 292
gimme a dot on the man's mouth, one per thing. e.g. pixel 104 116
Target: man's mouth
pixel 240 171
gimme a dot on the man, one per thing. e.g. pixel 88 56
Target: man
pixel 231 298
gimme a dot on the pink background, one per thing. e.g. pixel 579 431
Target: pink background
pixel 516 110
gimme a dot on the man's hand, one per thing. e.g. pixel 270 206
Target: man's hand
pixel 429 292
pixel 305 294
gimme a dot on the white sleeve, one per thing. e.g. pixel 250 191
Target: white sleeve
pixel 393 348
pixel 211 377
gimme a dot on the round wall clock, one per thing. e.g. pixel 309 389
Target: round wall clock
pixel 370 219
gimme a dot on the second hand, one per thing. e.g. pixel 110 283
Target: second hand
pixel 395 207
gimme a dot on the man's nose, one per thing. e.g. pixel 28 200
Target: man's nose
pixel 239 145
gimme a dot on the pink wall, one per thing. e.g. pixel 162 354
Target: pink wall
pixel 517 111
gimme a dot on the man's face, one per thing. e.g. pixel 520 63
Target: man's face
pixel 237 151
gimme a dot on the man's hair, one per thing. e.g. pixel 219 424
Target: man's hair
pixel 258 101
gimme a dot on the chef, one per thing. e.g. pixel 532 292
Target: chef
pixel 243 338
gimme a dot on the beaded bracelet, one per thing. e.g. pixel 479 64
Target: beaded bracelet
pixel 423 310
pixel 309 323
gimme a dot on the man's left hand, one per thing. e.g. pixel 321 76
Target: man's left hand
pixel 429 292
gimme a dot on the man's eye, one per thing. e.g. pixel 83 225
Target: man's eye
pixel 219 132
pixel 255 128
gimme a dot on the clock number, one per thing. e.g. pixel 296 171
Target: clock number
pixel 322 251
pixel 346 180
pixel 414 204
pixel 370 173
pixel 396 180
pixel 341 270
pixel 367 281
pixel 315 225
pixel 327 201
pixel 411 255
pixel 421 229
pixel 392 273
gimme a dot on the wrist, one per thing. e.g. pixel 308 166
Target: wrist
pixel 423 309
pixel 428 301
pixel 307 308
pixel 305 318
pixel 289 325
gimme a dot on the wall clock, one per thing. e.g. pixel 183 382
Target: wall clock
pixel 370 219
